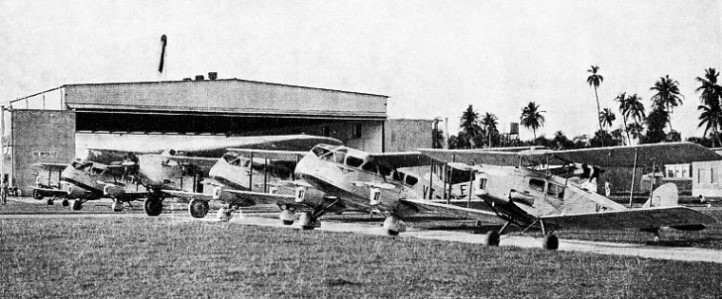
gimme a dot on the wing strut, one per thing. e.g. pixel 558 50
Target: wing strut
pixel 634 173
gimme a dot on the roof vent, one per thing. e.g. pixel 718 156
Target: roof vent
pixel 199 77
pixel 212 75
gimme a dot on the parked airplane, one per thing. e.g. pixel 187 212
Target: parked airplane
pixel 162 170
pixel 520 189
pixel 84 181
pixel 234 173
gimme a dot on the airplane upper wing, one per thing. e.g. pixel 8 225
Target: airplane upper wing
pixel 292 156
pixel 422 205
pixel 216 148
pixel 621 156
pixel 632 218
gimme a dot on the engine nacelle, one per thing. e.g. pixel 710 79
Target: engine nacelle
pixel 300 194
pixel 77 192
pixel 374 196
pixel 393 225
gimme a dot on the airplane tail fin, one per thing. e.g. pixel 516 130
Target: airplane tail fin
pixel 664 196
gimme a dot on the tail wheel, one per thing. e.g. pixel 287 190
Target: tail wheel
pixel 37 195
pixel 77 205
pixel 65 202
pixel 153 206
pixel 198 208
pixel 50 201
pixel 551 242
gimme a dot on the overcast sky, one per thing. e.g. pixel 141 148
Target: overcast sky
pixel 433 58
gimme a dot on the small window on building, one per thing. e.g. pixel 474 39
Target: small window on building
pixel 353 161
pixel 684 173
pixel 699 176
pixel 326 131
pixel 690 170
pixel 537 185
pixel 711 176
pixel 357 131
pixel 670 173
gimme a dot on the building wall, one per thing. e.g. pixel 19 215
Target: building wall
pixel 706 178
pixel 40 136
pixel 403 135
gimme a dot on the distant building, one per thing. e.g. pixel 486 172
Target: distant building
pixel 703 178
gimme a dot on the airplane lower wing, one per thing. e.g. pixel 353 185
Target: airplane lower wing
pixel 421 205
pixel 188 195
pixel 267 198
pixel 632 218
pixel 50 191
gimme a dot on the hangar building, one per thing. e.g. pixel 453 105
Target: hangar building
pixel 52 125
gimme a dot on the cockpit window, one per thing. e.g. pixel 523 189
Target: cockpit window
pixel 398 176
pixel 537 184
pixel 319 151
pixel 369 166
pixel 555 190
pixel 353 161
pixel 96 170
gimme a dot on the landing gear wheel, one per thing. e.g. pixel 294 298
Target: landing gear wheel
pixel 306 222
pixel 77 205
pixel 153 206
pixel 50 201
pixel 287 217
pixel 198 208
pixel 551 242
pixel 37 195
pixel 65 202
pixel 491 238
pixel 394 226
pixel 117 206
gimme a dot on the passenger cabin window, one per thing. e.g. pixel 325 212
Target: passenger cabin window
pixel 369 166
pixel 555 190
pixel 537 185
pixel 340 156
pixel 384 171
pixel 353 161
pixel 397 176
pixel 410 180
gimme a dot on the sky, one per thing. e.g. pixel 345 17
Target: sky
pixel 432 58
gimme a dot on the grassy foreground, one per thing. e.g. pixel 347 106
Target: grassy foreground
pixel 178 257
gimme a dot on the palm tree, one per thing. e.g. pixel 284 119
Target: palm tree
pixel 595 80
pixel 630 106
pixel 667 95
pixel 607 117
pixel 711 116
pixel 489 121
pixel 635 129
pixel 470 124
pixel 711 91
pixel 531 117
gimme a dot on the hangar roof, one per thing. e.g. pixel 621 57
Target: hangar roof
pixel 223 96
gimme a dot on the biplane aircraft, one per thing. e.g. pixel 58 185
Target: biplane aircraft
pixel 48 182
pixel 332 178
pixel 521 189
pixel 164 169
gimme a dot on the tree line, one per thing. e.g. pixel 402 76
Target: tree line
pixel 638 126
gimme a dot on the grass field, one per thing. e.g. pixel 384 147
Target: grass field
pixel 179 257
